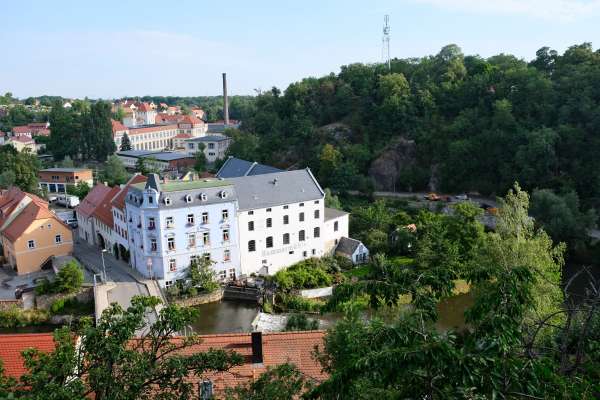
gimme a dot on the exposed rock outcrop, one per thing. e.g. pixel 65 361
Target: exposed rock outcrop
pixel 386 168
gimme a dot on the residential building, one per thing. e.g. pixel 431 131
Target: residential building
pixel 335 221
pixel 56 180
pixel 22 143
pixel 215 146
pixel 281 218
pixel 160 160
pixel 30 234
pixel 220 126
pixel 170 224
pixel 235 167
pixel 104 222
pixel 120 232
pixel 22 130
pixel 32 130
pixel 86 220
pixel 352 249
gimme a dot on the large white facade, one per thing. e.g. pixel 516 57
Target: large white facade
pixel 246 225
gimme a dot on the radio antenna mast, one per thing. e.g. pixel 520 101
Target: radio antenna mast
pixel 385 42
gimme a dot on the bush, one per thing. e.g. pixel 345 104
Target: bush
pixel 15 317
pixel 300 322
pixel 298 303
pixel 307 274
pixel 58 306
pixel 44 287
pixel 72 306
pixel 69 278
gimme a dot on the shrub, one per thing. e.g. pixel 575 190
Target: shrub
pixel 298 303
pixel 300 322
pixel 307 274
pixel 15 317
pixel 69 278
pixel 58 306
pixel 44 287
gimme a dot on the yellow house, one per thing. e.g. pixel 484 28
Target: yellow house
pixel 30 234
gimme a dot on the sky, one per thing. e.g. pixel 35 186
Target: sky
pixel 110 49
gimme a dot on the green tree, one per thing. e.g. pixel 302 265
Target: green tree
pixel 97 137
pixel 332 200
pixel 67 162
pixel 113 362
pixel 23 168
pixel 69 278
pixel 244 145
pixel 283 382
pixel 114 172
pixel 125 143
pixel 200 157
pixel 202 275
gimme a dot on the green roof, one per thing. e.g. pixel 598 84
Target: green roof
pixel 187 185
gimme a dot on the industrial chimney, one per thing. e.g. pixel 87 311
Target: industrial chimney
pixel 225 100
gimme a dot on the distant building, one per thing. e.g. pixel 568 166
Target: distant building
pixel 160 160
pixel 23 143
pixel 220 126
pixel 22 130
pixel 352 249
pixel 86 216
pixel 215 146
pixel 236 167
pixel 30 234
pixel 56 180
pixel 120 230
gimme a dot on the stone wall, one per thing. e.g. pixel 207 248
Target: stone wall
pixel 8 304
pixel 213 297
pixel 83 295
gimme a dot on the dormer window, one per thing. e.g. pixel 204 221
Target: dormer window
pixel 167 201
pixel 188 198
pixel 150 199
pixel 224 194
pixel 203 197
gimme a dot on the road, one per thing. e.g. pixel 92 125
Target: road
pixel 91 257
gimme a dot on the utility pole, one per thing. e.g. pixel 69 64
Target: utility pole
pixel 385 42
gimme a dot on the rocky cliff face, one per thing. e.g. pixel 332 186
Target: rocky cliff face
pixel 386 168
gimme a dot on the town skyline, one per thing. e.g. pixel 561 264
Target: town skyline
pixel 123 50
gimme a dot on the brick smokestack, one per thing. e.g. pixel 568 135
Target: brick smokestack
pixel 225 100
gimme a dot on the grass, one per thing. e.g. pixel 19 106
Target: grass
pixel 360 272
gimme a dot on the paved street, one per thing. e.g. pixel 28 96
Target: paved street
pixel 90 256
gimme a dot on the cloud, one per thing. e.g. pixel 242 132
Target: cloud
pixel 556 10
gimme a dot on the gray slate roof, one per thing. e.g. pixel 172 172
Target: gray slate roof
pixel 64 169
pixel 159 155
pixel 269 190
pixel 209 138
pixel 333 213
pixel 236 167
pixel 347 246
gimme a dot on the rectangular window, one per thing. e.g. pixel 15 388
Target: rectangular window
pixel 301 236
pixel 286 238
pixel 250 212
pixel 153 245
pixel 205 218
pixel 190 219
pixel 317 232
pixel 269 241
pixel 286 207
pixel 269 222
pixel 169 222
pixel 206 238
pixel 226 235
pixel 268 210
pixel 31 244
pixel 304 253
pixel 317 214
pixel 206 257
pixel 172 265
pixel 335 226
pixel 222 275
pixel 171 243
pixel 251 245
pixel 225 215
pixel 314 252
pixel 301 204
pixel 316 201
pixel 192 240
pixel 301 217
pixel 232 274
pixel 250 225
pixel 226 255
pixel 150 199
pixel 57 239
pixel 286 219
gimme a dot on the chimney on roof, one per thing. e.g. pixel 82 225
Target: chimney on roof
pixel 225 100
pixel 257 350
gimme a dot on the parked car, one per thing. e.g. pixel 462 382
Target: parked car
pixel 462 197
pixel 68 200
pixel 72 222
pixel 52 198
pixel 432 197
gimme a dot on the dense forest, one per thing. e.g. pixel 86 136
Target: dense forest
pixel 446 122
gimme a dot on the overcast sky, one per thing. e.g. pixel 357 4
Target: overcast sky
pixel 125 48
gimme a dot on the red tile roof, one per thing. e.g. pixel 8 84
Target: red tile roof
pixel 118 201
pixel 144 107
pixel 22 139
pixel 278 348
pixel 92 200
pixel 117 126
pixel 21 129
pixel 103 211
pixel 41 132
pixel 156 128
pixel 12 345
pixel 183 136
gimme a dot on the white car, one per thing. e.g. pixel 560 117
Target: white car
pixel 68 200
pixel 462 197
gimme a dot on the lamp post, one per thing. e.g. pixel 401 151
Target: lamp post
pixel 103 265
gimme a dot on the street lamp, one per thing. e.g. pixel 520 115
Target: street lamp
pixel 103 265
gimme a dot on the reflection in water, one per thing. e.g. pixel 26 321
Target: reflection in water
pixel 225 316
